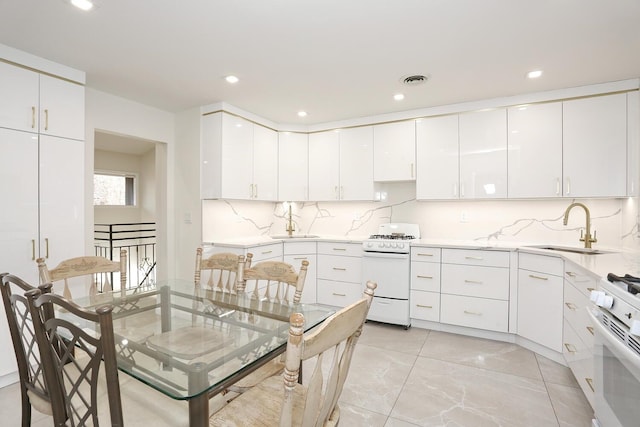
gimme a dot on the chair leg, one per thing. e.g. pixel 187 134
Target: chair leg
pixel 26 407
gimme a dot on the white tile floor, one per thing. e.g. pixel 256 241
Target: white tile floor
pixel 411 378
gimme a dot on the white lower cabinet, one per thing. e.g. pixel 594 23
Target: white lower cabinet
pixel 540 300
pixel 424 296
pixel 339 273
pixel 475 289
pixel 295 253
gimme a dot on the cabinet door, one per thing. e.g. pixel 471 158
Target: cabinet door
pixel 19 215
pixel 237 158
pixel 633 143
pixel 61 108
pixel 293 166
pixel 483 154
pixel 61 200
pixel 210 156
pixel 19 100
pixel 324 169
pixel 535 150
pixel 437 158
pixel 394 151
pixel 540 308
pixel 265 163
pixel 595 146
pixel 356 164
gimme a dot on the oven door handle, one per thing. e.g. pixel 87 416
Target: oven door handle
pixel 612 341
pixel 387 255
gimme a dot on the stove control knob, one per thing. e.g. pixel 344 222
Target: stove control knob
pixel 381 245
pixel 369 244
pixel 401 245
pixel 595 295
pixel 605 301
pixel 635 328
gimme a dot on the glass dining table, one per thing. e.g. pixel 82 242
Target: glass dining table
pixel 192 343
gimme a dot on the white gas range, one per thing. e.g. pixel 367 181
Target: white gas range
pixel 386 261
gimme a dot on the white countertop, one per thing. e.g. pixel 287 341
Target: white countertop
pixel 617 260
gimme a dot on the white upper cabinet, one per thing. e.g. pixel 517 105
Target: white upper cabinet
pixel 394 151
pixel 356 163
pixel 595 146
pixel 293 166
pixel 341 164
pixel 324 166
pixel 535 150
pixel 483 154
pixel 239 159
pixel 40 103
pixel 633 143
pixel 437 158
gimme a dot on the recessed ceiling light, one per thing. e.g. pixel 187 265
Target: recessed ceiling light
pixel 302 113
pixel 534 74
pixel 398 96
pixel 232 79
pixel 82 4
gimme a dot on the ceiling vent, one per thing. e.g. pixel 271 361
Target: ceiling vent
pixel 414 80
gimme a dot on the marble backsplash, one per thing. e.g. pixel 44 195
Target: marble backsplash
pixel 531 221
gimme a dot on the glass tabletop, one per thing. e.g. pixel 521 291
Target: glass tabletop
pixel 185 341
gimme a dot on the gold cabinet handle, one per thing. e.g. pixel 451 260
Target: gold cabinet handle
pixel 266 252
pixel 424 277
pixel 339 295
pixel 473 282
pixel 421 254
pixel 590 329
pixel 339 268
pixel 570 348
pixel 475 313
pixel 568 185
pixel 300 257
pixel 256 189
pixel 33 250
pixel 339 249
pixel 46 245
pixel 46 119
pixel 475 258
pixel 571 306
pixel 591 289
pixel 590 383
pixel 533 276
pixel 570 274
pixel 424 306
pixel 33 117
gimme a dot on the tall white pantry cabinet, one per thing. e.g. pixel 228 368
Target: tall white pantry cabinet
pixel 42 155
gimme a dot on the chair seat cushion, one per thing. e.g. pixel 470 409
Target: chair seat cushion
pixel 260 407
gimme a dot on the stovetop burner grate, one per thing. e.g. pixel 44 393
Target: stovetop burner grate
pixel 392 236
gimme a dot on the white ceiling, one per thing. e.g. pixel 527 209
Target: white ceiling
pixel 336 59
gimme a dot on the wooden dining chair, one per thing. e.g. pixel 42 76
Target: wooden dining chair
pixel 74 344
pixel 223 270
pixel 280 400
pixel 92 266
pixel 33 390
pixel 277 282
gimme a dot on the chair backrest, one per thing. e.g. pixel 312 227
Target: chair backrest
pixel 224 270
pixel 93 266
pixel 73 342
pixel 33 389
pixel 272 280
pixel 338 333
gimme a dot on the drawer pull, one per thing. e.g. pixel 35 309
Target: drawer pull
pixel 590 329
pixel 424 277
pixel 591 289
pixel 339 295
pixel 420 254
pixel 339 249
pixel 475 313
pixel 570 348
pixel 570 274
pixel 474 282
pixel 424 306
pixel 533 276
pixel 339 269
pixel 571 306
pixel 590 383
pixel 300 257
pixel 476 258
pixel 266 252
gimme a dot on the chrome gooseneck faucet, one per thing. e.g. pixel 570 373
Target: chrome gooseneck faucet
pixel 586 239
pixel 290 226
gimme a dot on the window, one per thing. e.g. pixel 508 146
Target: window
pixel 114 189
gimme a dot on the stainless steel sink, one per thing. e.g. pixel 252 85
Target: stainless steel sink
pixel 295 236
pixel 573 249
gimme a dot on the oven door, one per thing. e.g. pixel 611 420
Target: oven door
pixel 616 372
pixel 390 271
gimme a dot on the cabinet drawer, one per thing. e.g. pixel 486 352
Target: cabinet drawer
pixel 542 263
pixel 395 311
pixel 483 282
pixel 425 306
pixel 481 313
pixel 425 276
pixel 338 294
pixel 580 278
pixel 265 252
pixel 573 348
pixel 290 248
pixel 337 248
pixel 476 257
pixel 340 268
pixel 425 254
pixel 576 305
